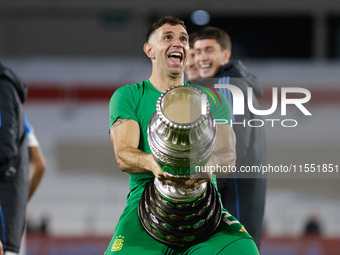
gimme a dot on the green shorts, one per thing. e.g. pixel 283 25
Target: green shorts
pixel 131 238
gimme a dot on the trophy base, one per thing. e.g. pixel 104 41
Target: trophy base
pixel 179 223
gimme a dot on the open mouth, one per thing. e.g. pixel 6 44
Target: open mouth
pixel 176 57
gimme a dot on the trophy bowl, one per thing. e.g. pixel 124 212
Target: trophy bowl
pixel 181 136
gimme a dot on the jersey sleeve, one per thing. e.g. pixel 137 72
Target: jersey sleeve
pixel 122 105
pixel 221 108
pixel 219 105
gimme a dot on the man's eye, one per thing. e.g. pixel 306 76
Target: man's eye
pixel 183 39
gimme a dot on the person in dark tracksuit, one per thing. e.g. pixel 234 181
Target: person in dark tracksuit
pixel 242 195
pixel 14 161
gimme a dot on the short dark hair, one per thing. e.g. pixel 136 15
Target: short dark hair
pixel 160 22
pixel 192 37
pixel 222 37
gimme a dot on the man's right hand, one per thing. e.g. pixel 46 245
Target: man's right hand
pixel 155 169
pixel 188 182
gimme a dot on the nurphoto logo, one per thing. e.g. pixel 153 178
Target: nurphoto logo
pixel 239 100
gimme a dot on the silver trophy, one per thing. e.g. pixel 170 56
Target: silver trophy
pixel 181 136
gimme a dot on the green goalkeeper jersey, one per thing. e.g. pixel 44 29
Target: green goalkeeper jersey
pixel 138 102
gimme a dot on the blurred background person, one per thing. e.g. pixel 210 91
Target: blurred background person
pixel 36 172
pixel 14 165
pixel 191 69
pixel 313 225
pixel 21 159
pixel 243 197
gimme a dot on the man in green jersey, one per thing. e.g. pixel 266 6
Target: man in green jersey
pixel 131 108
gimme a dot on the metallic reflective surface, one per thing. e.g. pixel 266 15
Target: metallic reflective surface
pixel 180 136
pixel 173 193
pixel 179 223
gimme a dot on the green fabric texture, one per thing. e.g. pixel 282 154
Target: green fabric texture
pixel 138 102
pixel 131 238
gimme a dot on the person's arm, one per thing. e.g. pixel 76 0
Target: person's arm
pixel 37 169
pixel 36 159
pixel 225 149
pixel 124 134
pixel 224 154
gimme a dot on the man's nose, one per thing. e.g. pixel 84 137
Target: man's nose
pixel 203 56
pixel 200 57
pixel 192 64
pixel 177 42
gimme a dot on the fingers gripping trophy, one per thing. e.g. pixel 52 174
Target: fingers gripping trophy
pixel 181 135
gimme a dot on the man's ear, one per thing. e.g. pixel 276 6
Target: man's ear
pixel 227 55
pixel 149 51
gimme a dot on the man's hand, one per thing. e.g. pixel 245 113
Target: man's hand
pixel 189 182
pixel 155 169
pixel 197 179
pixel 185 182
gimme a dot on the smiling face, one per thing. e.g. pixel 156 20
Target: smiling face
pixel 191 68
pixel 209 57
pixel 168 49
